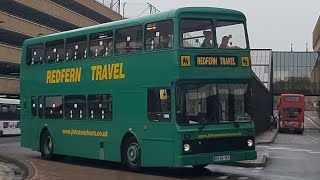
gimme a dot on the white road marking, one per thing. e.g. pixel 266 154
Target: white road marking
pixel 312 122
pixel 223 177
pixel 301 150
pixel 314 152
pixel 243 178
pixel 315 141
pixel 258 168
pixel 263 146
pixel 279 148
pixel 293 150
pixel 313 137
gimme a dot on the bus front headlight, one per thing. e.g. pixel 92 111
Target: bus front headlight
pixel 186 147
pixel 250 142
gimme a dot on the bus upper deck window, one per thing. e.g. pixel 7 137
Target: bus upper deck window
pixel 55 51
pixel 128 40
pixel 76 48
pixel 159 35
pixel 35 54
pixel 231 35
pixel 101 44
pixel 196 33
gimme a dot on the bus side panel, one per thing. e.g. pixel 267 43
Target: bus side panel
pixel 154 137
pixel 30 127
pixel 82 138
pixel 157 152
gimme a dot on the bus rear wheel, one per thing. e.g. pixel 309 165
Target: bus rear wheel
pixel 46 145
pixel 131 154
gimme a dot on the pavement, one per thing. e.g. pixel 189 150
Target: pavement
pixel 313 116
pixel 35 169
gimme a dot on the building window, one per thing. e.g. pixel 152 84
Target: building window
pixel 75 107
pixel 35 54
pixel 34 105
pixel 53 107
pixel 159 104
pixel 76 48
pixel 159 35
pixel 129 40
pixel 55 51
pixel 100 106
pixel 101 44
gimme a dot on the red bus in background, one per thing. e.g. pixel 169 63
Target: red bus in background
pixel 291 113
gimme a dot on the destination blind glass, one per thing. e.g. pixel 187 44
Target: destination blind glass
pixel 205 61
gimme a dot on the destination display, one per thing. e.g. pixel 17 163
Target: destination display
pixel 212 61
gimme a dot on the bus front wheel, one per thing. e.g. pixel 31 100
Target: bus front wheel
pixel 132 154
pixel 46 145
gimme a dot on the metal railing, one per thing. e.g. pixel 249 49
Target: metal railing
pixel 117 6
pixel 113 5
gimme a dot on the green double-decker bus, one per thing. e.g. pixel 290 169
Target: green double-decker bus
pixel 167 89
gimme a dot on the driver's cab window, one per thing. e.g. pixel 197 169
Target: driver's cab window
pixel 231 35
pixel 159 100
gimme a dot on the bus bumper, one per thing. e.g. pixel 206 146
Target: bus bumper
pixel 215 158
pixel 289 129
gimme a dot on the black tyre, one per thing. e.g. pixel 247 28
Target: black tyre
pixel 46 144
pixel 131 154
pixel 201 166
pixel 280 130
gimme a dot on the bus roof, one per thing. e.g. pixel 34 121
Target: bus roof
pixel 181 12
pixel 9 101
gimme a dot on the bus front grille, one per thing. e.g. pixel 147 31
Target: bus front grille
pixel 218 145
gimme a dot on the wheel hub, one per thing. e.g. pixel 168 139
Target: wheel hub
pixel 133 153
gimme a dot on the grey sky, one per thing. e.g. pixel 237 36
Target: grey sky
pixel 273 24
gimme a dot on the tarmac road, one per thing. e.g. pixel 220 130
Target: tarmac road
pixel 291 156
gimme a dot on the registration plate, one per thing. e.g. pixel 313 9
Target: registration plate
pixel 221 158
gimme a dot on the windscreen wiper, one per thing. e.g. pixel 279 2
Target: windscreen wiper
pixel 236 124
pixel 202 126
